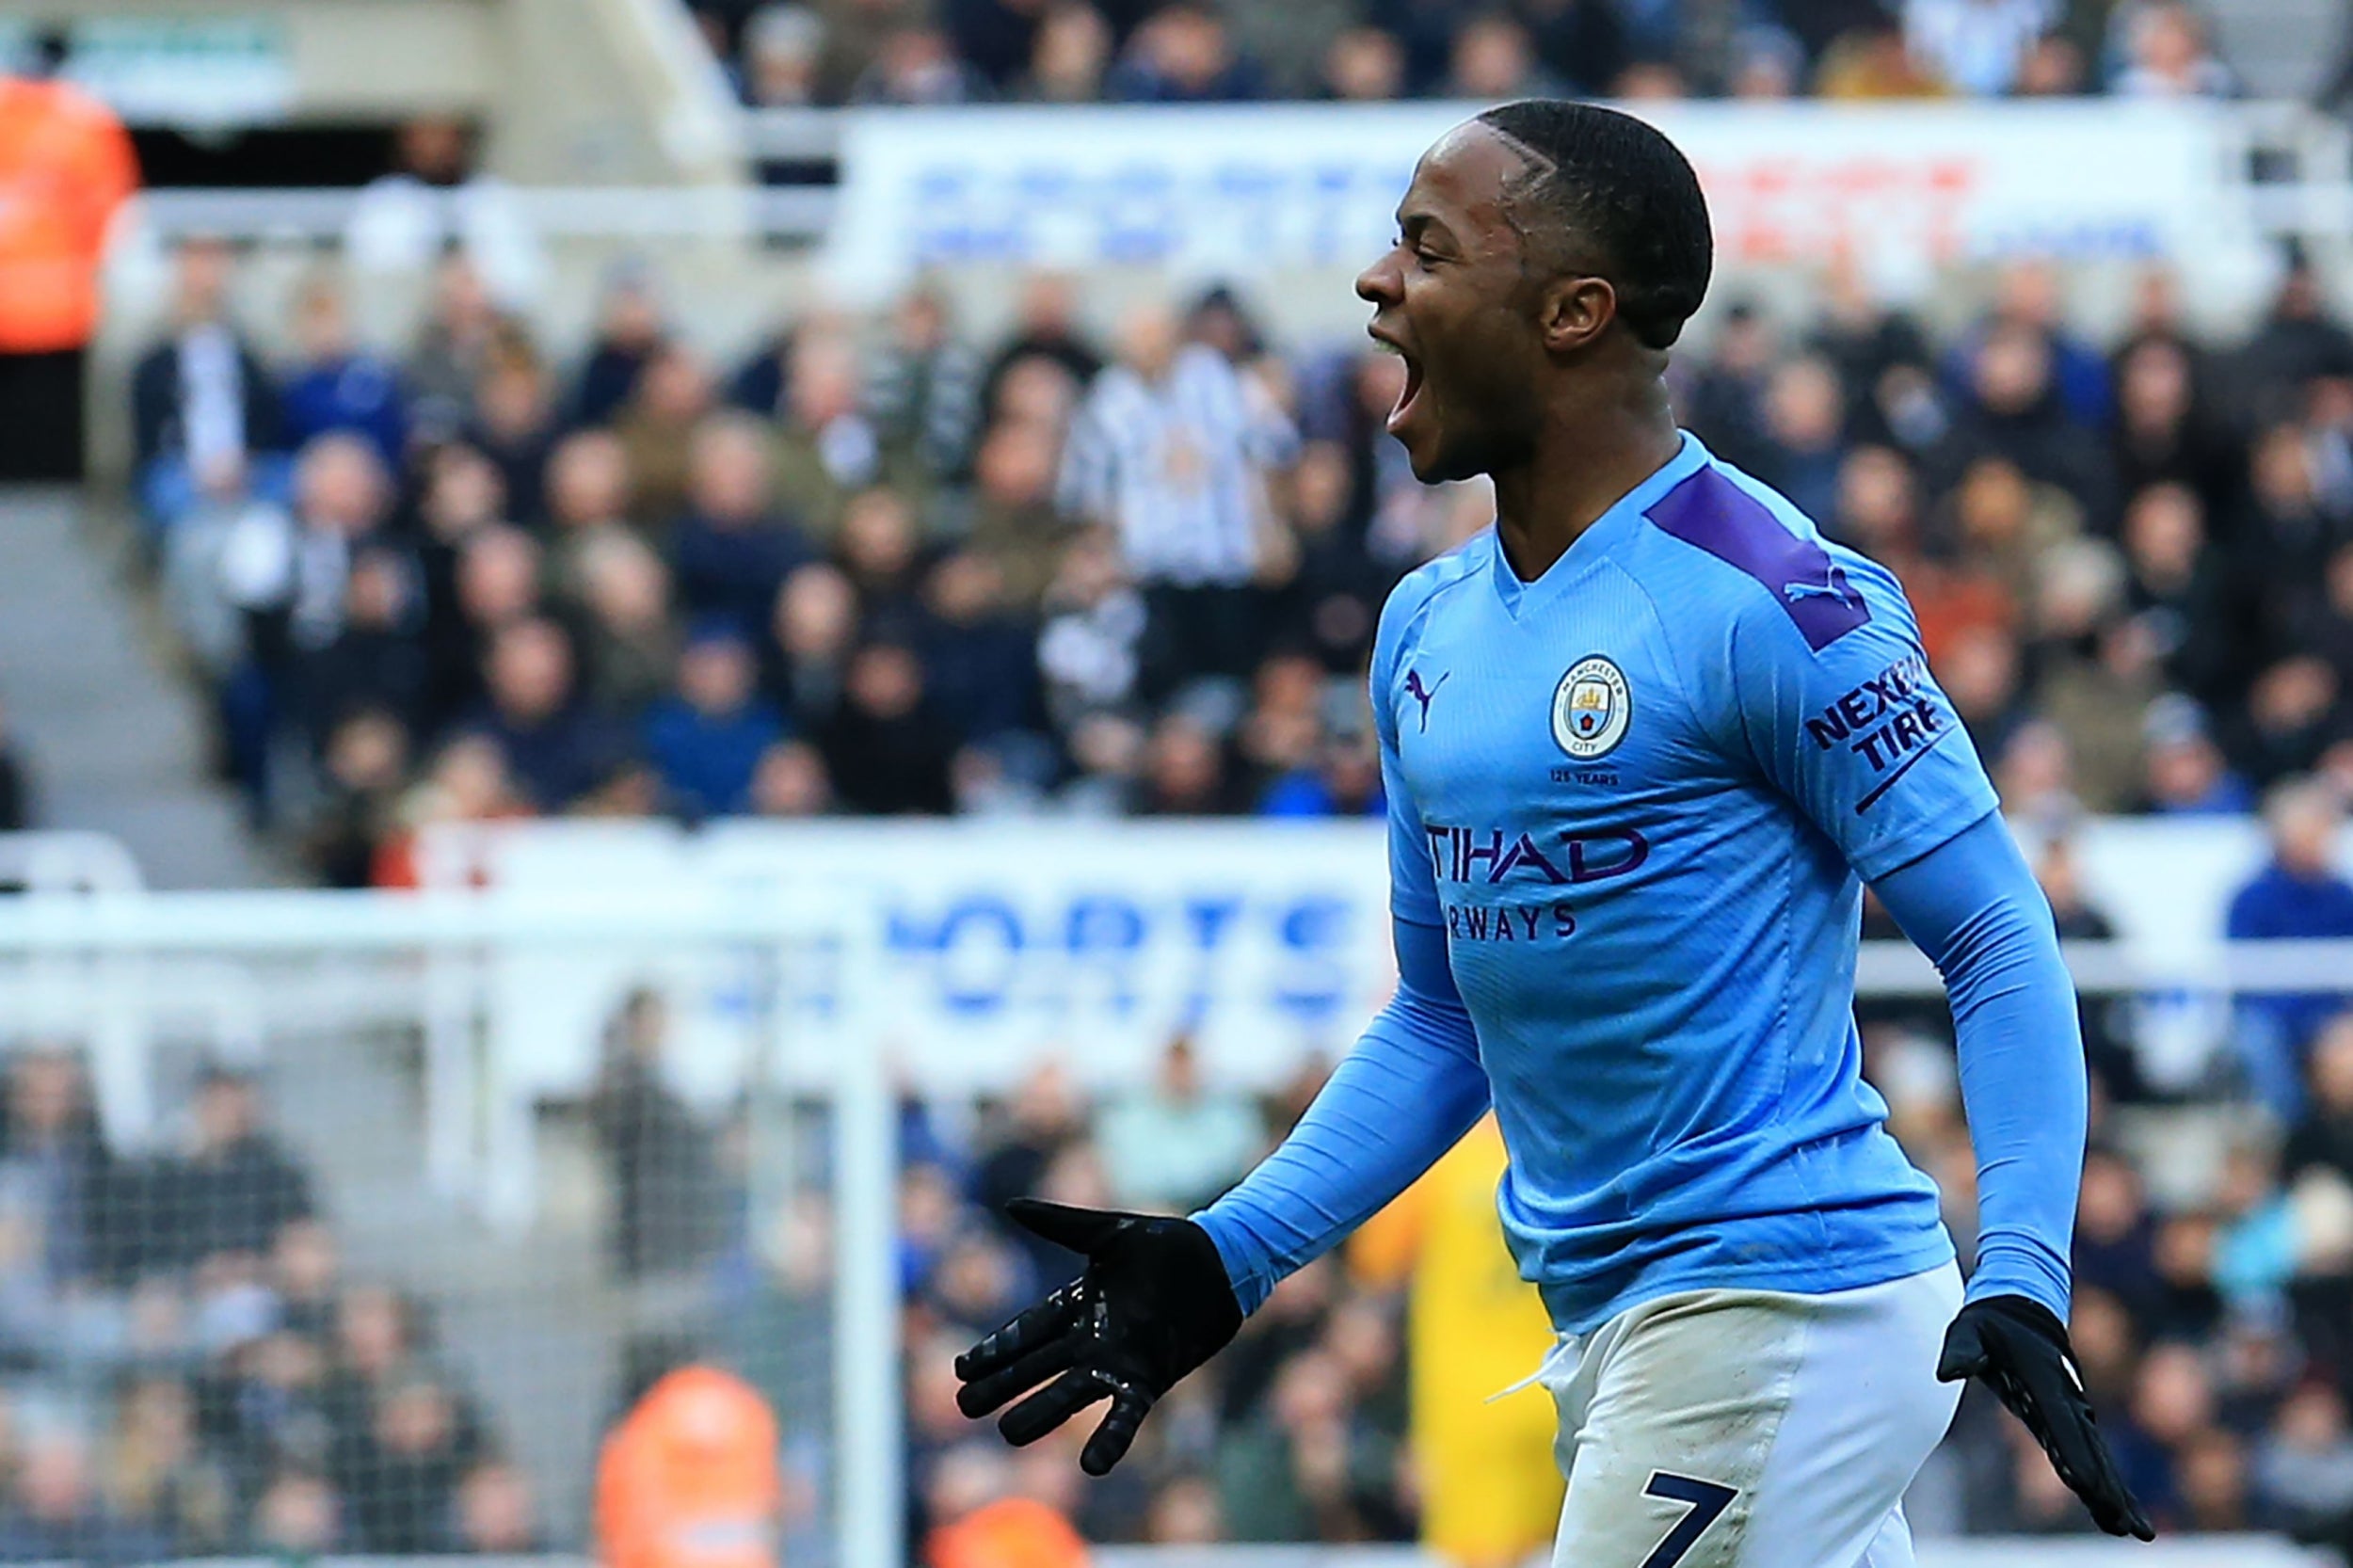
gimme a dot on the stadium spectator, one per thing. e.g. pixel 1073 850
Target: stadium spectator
pixel 1870 61
pixel 783 46
pixel 1803 438
pixel 236 1188
pixel 557 749
pixel 1047 328
pixel 706 741
pixel 335 384
pixel 628 637
pixel 729 550
pixel 1170 450
pixel 296 1517
pixel 1007 1529
pixel 588 505
pixel 828 448
pixel 981 660
pixel 2187 772
pixel 434 200
pixel 630 328
pixel 665 1200
pixel 1979 46
pixel 2167 54
pixel 400 1472
pixel 514 423
pixel 51 1151
pixel 202 401
pixel 1363 65
pixel 65 168
pixel 1494 60
pixel 887 747
pixel 453 344
pixel 918 65
pixel 1174 1144
pixel 790 782
pixel 2299 894
pixel 924 388
pixel 1183 53
pixel 481 577
pixel 158 1475
pixel 1069 56
pixel 57 1512
pixel 496 1514
pixel 374 661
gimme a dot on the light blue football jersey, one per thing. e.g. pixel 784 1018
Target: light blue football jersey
pixel 1638 795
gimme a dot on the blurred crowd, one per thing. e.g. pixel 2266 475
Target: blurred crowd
pixel 184 1368
pixel 793 53
pixel 880 566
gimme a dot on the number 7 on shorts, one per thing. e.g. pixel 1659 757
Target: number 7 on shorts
pixel 1708 1500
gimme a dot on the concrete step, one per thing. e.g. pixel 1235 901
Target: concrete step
pixel 114 736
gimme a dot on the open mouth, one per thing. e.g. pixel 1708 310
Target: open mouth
pixel 1410 389
pixel 1406 395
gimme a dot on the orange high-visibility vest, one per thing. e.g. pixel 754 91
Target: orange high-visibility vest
pixel 689 1478
pixel 66 166
pixel 1010 1532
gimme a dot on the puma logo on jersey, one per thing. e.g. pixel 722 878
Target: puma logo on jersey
pixel 1423 695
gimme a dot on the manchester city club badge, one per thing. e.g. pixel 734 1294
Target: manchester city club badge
pixel 1590 709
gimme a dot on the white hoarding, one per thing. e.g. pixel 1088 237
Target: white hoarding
pixel 1240 191
pixel 1007 941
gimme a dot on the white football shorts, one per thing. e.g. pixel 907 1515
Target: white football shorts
pixel 1752 1429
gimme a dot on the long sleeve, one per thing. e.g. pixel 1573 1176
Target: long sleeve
pixel 1973 906
pixel 1406 1095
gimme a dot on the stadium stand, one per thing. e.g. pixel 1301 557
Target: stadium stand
pixel 791 54
pixel 876 568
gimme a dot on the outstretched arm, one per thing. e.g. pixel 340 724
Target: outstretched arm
pixel 1842 713
pixel 1406 1095
pixel 1160 1296
pixel 1973 906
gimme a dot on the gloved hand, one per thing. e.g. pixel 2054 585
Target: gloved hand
pixel 1153 1305
pixel 2022 1352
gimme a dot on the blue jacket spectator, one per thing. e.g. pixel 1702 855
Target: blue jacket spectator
pixel 337 385
pixel 1184 55
pixel 706 740
pixel 2299 894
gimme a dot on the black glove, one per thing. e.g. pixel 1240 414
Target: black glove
pixel 2022 1352
pixel 1153 1305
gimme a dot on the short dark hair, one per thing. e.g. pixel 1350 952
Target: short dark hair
pixel 1618 195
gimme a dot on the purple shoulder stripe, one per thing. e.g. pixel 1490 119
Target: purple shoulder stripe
pixel 1710 512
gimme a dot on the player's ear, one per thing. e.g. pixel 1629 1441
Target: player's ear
pixel 1576 311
